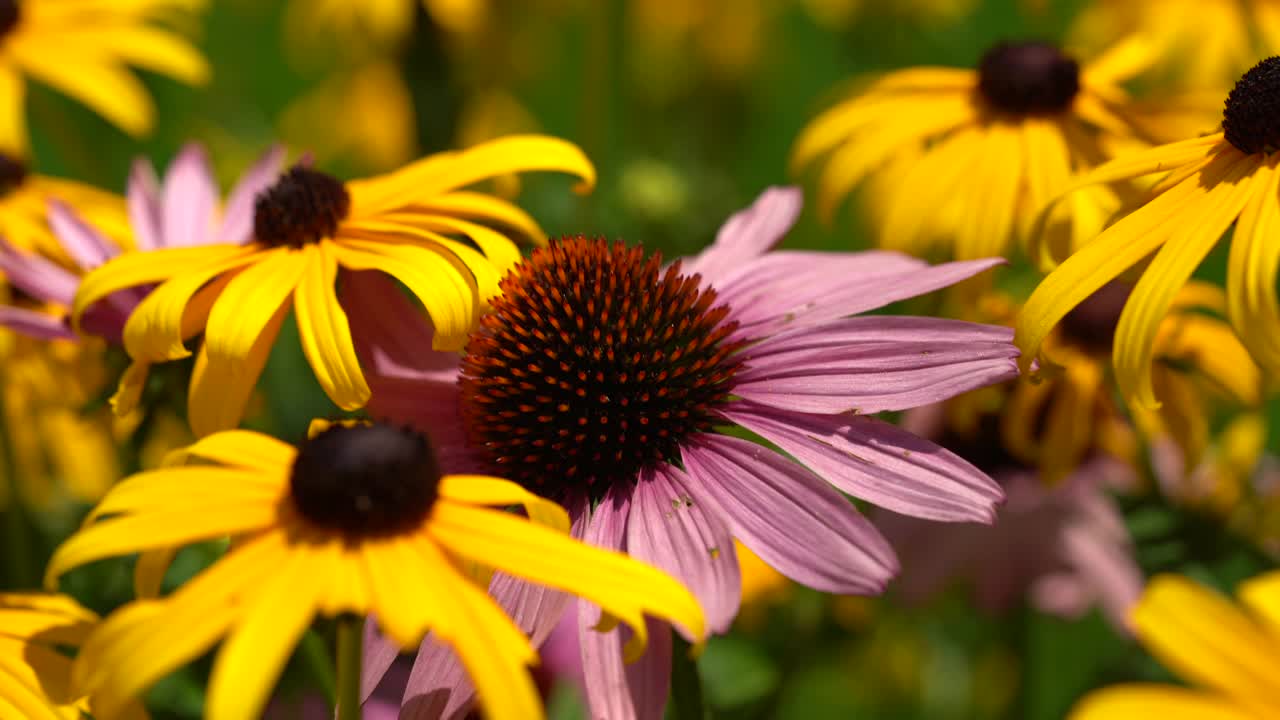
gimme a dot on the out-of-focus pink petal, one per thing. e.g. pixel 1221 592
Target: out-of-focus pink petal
pixel 36 276
pixel 748 233
pixel 379 653
pixel 88 247
pixel 788 516
pixel 190 200
pixel 237 214
pixel 143 200
pixel 34 324
pixel 562 654
pixel 772 295
pixel 1108 568
pixel 670 530
pixel 878 462
pixel 875 363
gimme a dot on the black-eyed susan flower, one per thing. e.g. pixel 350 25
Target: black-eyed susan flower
pixel 448 245
pixel 24 202
pixel 966 158
pixel 83 48
pixel 1205 185
pixel 1227 653
pixel 35 672
pixel 357 520
pixel 601 378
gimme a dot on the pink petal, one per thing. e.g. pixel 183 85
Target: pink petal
pixel 748 233
pixel 237 215
pixel 770 295
pixel 393 335
pixel 34 324
pixel 143 198
pixel 669 530
pixel 870 364
pixel 788 516
pixel 36 276
pixel 379 653
pixel 618 691
pixel 878 462
pixel 190 199
pixel 88 247
pixel 1108 567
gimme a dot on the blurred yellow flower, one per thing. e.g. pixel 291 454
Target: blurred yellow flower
pixel 1227 653
pixel 24 203
pixel 82 48
pixel 1205 185
pixel 379 25
pixel 970 156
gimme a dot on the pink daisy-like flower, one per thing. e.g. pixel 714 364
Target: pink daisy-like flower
pixel 182 211
pixel 1063 547
pixel 601 380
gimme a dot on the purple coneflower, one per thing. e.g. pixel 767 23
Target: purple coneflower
pixel 182 211
pixel 602 380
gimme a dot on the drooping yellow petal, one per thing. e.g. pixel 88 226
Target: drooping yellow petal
pixel 94 79
pixel 250 301
pixel 238 448
pixel 1251 273
pixel 624 588
pixel 1204 638
pixel 402 588
pixel 325 333
pixel 133 269
pixel 990 226
pixel 253 656
pixel 154 331
pixel 149 571
pixel 220 389
pixel 1202 225
pixel 913 219
pixel 485 208
pixel 1261 595
pixel 484 490
pixel 13 119
pixel 481 270
pixel 146 47
pixel 1117 249
pixel 1156 160
pixel 449 298
pixel 1122 61
pixel 1167 702
pixel 132 382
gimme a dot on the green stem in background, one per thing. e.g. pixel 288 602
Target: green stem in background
pixel 319 664
pixel 686 684
pixel 350 650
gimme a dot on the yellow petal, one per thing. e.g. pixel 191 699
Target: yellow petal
pixel 487 209
pixel 220 389
pixel 1122 61
pixel 1262 596
pixel 483 490
pixel 624 588
pixel 501 252
pixel 252 658
pixel 129 392
pixel 188 488
pixel 1201 227
pixel 1158 159
pixel 402 588
pixel 913 219
pixel 998 176
pixel 250 301
pixel 133 269
pixel 155 329
pixel 149 572
pixel 1251 273
pixel 96 80
pixel 1167 702
pixel 238 448
pixel 483 274
pixel 325 333
pixel 13 108
pixel 1205 639
pixel 449 298
pixel 146 47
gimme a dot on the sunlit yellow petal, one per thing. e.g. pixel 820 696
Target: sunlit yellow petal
pixel 149 572
pixel 129 393
pixel 478 206
pixel 1251 274
pixel 325 333
pixel 483 490
pixel 238 448
pixel 220 389
pixel 1130 702
pixel 249 302
pixel 96 80
pixel 13 120
pixel 146 47
pixel 155 329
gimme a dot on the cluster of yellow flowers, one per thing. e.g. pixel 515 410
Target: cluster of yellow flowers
pixel 595 377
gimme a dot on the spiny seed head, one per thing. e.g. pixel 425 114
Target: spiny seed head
pixel 1092 324
pixel 594 364
pixel 303 206
pixel 1251 119
pixel 1028 78
pixel 12 173
pixel 365 480
pixel 10 14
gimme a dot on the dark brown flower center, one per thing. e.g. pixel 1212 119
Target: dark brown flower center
pixel 9 16
pixel 1091 325
pixel 594 364
pixel 1028 78
pixel 365 480
pixel 1251 119
pixel 12 173
pixel 303 206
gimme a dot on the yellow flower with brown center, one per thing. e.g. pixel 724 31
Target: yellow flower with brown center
pixel 357 520
pixel 24 204
pixel 419 225
pixel 83 48
pixel 1204 186
pixel 1226 652
pixel 980 151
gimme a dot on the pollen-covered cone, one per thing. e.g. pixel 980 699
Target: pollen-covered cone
pixel 419 224
pixel 357 520
pixel 962 161
pixel 84 48
pixel 1227 653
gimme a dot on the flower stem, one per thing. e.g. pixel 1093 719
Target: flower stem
pixel 686 684
pixel 350 651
